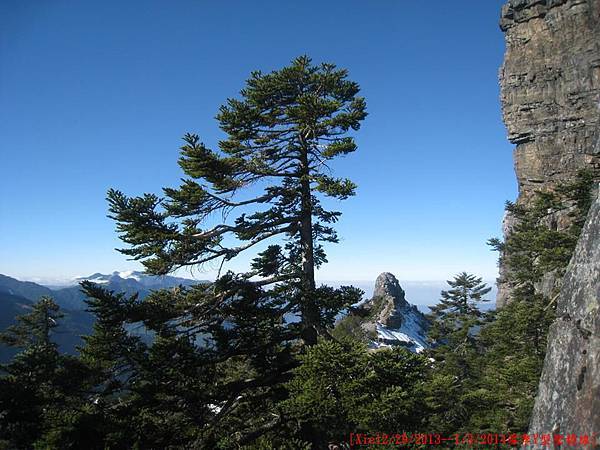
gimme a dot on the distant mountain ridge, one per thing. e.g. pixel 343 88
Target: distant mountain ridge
pixel 17 298
pixel 25 289
pixel 127 282
pixel 71 297
pixel 146 281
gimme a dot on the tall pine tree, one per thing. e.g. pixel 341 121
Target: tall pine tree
pixel 266 182
pixel 282 134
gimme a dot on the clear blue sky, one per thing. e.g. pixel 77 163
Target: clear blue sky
pixel 98 94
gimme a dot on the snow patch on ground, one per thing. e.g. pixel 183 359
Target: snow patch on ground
pixel 410 334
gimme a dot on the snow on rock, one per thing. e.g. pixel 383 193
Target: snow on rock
pixel 397 322
pixel 139 279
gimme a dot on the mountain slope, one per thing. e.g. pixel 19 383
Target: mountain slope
pixel 17 297
pixel 24 289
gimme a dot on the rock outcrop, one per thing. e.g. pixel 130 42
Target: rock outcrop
pixel 568 399
pixel 388 289
pixel 388 319
pixel 550 92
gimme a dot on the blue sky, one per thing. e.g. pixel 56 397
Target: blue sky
pixel 98 94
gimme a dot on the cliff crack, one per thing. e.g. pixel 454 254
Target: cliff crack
pixel 581 377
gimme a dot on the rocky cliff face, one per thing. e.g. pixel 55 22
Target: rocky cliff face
pixel 550 92
pixel 568 399
pixel 392 296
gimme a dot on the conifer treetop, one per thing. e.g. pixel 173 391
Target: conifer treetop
pixel 282 133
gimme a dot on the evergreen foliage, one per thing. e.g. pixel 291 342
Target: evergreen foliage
pixel 251 361
pixel 282 134
pixel 457 313
pixel 455 323
pixel 487 366
pixel 340 388
pixel 211 366
pixel 39 382
pixel 35 328
pixel 514 340
pixel 536 245
pixel 515 346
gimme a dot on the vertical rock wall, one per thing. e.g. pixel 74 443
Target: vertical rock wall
pixel 568 400
pixel 550 92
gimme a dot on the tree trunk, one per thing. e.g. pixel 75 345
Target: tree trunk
pixel 310 313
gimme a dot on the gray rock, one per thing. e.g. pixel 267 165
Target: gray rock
pixel 388 289
pixel 550 93
pixel 568 399
pixel 394 321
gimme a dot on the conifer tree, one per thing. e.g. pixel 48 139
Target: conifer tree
pixel 217 360
pixel 35 328
pixel 221 354
pixel 458 312
pixel 455 321
pixel 34 383
pixel 282 134
pixel 266 182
